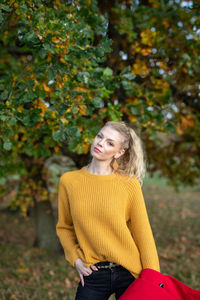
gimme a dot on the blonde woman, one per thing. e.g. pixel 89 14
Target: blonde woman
pixel 103 224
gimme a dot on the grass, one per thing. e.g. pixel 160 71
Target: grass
pixel 31 273
pixel 27 272
pixel 175 221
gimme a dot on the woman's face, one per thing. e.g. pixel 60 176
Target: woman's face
pixel 107 144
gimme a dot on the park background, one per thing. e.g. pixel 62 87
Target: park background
pixel 66 68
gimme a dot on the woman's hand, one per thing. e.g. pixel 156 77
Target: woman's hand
pixel 83 270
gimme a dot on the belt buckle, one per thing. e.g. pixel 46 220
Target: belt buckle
pixel 111 264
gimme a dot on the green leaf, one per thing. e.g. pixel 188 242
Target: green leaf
pixel 125 70
pixel 135 110
pixel 5 7
pixel 74 110
pixel 43 53
pixel 4 118
pixel 126 85
pixel 129 76
pixel 4 95
pixel 29 36
pixel 58 136
pixel 108 72
pixel 169 126
pixel 97 102
pixel 186 57
pixel 7 145
pixel 99 53
pixel 8 132
pixel 1 17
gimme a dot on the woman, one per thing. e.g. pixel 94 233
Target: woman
pixel 103 225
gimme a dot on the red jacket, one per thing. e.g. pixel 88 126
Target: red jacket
pixel 153 285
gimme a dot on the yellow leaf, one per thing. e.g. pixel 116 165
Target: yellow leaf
pixel 56 148
pixel 187 121
pixel 165 23
pixel 79 98
pixel 184 69
pixel 46 88
pixel 62 60
pixel 145 52
pixel 77 279
pixel 81 48
pixel 82 109
pixel 24 138
pixel 55 40
pixel 22 270
pixel 133 118
pixel 38 125
pixel 64 121
pixel 13 297
pixel 80 89
pixel 53 114
pixel 179 130
pixel 19 145
pixel 68 283
pixel 61 84
pixel 19 108
pixel 165 85
pixel 140 68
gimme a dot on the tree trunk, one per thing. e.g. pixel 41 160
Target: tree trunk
pixel 46 237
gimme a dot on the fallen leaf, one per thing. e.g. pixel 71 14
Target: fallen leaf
pixel 68 283
pixel 22 270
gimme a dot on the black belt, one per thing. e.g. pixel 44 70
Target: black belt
pixel 106 265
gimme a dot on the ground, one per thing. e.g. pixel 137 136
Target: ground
pixel 30 273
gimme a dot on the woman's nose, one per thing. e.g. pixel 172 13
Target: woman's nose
pixel 100 143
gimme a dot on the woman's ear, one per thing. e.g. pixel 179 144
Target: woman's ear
pixel 119 153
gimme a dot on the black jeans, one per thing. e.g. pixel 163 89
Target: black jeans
pixel 99 285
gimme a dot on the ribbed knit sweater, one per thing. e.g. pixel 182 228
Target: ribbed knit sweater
pixel 104 218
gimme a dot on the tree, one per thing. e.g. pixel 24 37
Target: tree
pixel 52 84
pixel 159 41
pixel 69 66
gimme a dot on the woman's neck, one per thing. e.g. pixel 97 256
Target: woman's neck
pixel 99 167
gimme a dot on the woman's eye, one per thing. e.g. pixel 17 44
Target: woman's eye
pixel 98 135
pixel 111 144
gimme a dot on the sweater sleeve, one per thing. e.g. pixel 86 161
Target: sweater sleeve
pixel 141 229
pixel 64 227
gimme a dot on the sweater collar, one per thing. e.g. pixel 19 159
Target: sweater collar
pixel 97 176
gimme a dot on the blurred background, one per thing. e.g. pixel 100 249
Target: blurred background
pixel 67 67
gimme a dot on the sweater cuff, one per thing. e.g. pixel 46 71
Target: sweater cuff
pixel 72 256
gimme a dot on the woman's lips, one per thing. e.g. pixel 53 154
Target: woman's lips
pixel 97 150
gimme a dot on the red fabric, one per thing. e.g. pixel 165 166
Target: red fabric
pixel 147 287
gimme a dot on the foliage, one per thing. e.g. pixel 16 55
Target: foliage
pixel 159 42
pixel 68 66
pixel 52 76
pixel 54 86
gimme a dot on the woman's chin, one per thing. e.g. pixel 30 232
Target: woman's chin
pixel 95 154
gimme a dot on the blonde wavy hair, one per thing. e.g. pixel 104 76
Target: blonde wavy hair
pixel 132 162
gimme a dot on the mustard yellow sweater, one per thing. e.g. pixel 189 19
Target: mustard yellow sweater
pixel 104 218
